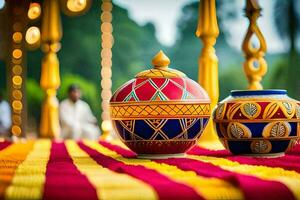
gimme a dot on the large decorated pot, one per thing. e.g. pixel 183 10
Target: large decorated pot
pixel 160 111
pixel 258 122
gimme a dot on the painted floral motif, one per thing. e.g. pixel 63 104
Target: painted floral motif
pixel 288 106
pixel 237 130
pixel 298 111
pixel 220 111
pixel 160 111
pixel 288 109
pixel 251 110
pixel 261 146
pixel 258 121
pixel 277 129
pixel 270 110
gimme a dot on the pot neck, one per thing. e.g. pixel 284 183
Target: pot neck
pixel 249 93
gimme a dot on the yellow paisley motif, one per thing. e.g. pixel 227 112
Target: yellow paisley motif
pixel 288 109
pixel 297 111
pixel 238 130
pixel 261 146
pixel 251 109
pixel 220 111
pixel 232 110
pixel 277 129
pixel 270 110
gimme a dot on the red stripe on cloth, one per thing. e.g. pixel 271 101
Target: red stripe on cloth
pixel 4 144
pixel 252 187
pixel 63 179
pixel 124 152
pixel 287 162
pixel 196 150
pixel 165 187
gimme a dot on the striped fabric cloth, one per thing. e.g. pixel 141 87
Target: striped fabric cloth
pixel 44 169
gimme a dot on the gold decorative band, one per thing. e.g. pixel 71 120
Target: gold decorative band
pixel 257 120
pixel 171 110
pixel 261 138
pixel 161 141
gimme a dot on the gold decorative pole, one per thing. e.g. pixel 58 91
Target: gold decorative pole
pixel 106 64
pixel 51 34
pixel 50 80
pixel 208 32
pixel 255 66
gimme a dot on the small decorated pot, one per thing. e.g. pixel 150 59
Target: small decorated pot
pixel 160 111
pixel 258 122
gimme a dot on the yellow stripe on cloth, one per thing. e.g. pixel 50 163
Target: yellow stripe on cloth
pixel 119 143
pixel 29 179
pixel 206 187
pixel 10 158
pixel 289 178
pixel 109 185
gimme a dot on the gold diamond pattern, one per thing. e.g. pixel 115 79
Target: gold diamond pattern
pixel 163 110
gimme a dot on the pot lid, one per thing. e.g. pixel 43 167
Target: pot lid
pixel 160 84
pixel 161 68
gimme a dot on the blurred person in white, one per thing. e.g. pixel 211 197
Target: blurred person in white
pixel 76 118
pixel 5 116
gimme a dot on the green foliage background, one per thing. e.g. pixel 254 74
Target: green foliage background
pixel 135 45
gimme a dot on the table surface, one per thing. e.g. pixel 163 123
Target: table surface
pixel 45 169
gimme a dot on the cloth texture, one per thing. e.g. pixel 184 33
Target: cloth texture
pixel 45 169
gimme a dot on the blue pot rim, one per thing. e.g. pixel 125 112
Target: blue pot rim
pixel 239 93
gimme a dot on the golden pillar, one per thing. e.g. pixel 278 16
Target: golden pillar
pixel 255 66
pixel 51 33
pixel 208 32
pixel 106 64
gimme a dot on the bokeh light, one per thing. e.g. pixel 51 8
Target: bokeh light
pixel 106 6
pixel 76 5
pixel 106 125
pixel 17 94
pixel 106 72
pixel 17 26
pixel 17 105
pixel 106 17
pixel 106 82
pixel 106 27
pixel 17 53
pixel 17 120
pixel 17 69
pixel 34 11
pixel 106 94
pixel 2 4
pixel 16 130
pixel 33 35
pixel 17 80
pixel 17 37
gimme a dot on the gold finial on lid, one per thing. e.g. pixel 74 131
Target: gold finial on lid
pixel 160 60
pixel 161 68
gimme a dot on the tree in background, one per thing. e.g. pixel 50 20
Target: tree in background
pixel 187 49
pixel 80 56
pixel 134 46
pixel 287 18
